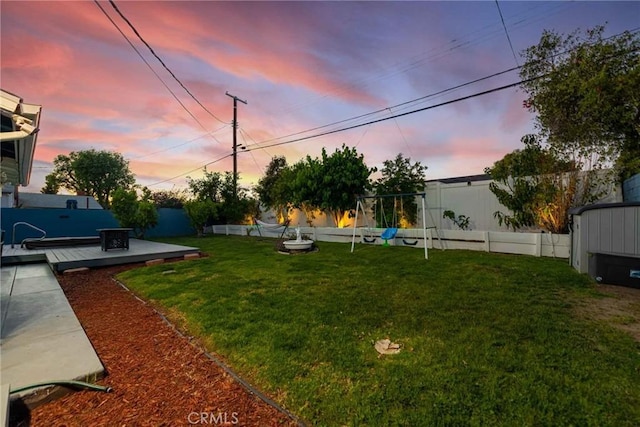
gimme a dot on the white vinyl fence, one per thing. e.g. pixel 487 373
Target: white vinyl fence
pixel 536 244
pixel 473 199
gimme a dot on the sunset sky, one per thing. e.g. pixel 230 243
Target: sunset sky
pixel 299 65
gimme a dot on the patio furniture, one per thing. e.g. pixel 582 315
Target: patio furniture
pixel 114 238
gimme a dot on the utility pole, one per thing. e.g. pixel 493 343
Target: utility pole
pixel 235 142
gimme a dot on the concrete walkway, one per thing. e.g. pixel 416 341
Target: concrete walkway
pixel 40 339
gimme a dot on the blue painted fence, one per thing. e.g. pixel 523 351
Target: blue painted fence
pixel 171 223
pixel 84 222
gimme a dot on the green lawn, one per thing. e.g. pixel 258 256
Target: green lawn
pixel 487 339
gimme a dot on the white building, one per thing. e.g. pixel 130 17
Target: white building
pixel 20 123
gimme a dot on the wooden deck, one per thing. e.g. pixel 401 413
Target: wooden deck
pixel 61 259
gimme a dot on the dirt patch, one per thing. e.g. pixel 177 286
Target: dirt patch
pixel 619 306
pixel 158 377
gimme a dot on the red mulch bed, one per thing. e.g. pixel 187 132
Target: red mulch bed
pixel 158 377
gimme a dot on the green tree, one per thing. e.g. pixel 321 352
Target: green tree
pixel 173 199
pixel 272 188
pixel 303 184
pixel 219 189
pixel 133 212
pixel 401 176
pixel 51 185
pixel 343 176
pixel 200 213
pixel 236 209
pixel 91 172
pixel 585 90
pixel 462 221
pixel 538 188
pixel 209 187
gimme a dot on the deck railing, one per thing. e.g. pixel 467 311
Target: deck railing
pixel 13 235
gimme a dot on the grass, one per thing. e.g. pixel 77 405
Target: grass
pixel 487 339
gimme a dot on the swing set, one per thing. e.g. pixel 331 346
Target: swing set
pixel 391 228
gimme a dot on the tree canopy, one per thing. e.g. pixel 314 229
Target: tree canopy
pixel 200 212
pixel 209 187
pixel 303 186
pixel 401 176
pixel 51 185
pixel 131 211
pixel 173 199
pixel 538 188
pixel 585 90
pixel 344 175
pixel 218 188
pixel 272 188
pixel 90 172
pixel 329 184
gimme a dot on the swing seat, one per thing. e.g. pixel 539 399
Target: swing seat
pixel 389 234
pixel 409 243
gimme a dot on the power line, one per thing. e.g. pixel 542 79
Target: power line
pixel 150 67
pixel 486 92
pixel 482 93
pixel 161 61
pixel 201 166
pixel 507 33
pixel 469 39
pixel 254 141
pixel 382 110
pixel 242 134
pixel 419 99
pixel 179 145
pixel 362 136
pixel 402 135
pixel 192 170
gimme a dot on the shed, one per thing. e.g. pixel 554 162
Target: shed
pixel 631 189
pixel 605 242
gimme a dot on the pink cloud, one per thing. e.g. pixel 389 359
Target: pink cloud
pixel 300 65
pixel 286 58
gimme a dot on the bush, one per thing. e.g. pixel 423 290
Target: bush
pixel 200 212
pixel 131 212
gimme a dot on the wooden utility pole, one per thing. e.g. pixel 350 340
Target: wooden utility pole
pixel 235 142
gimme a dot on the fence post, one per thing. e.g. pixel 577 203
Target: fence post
pixel 487 244
pixel 429 241
pixel 538 252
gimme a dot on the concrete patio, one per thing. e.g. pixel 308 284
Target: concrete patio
pixel 41 340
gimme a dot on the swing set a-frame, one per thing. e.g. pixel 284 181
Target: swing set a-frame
pixel 391 230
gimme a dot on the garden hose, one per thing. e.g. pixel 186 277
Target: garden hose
pixel 78 384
